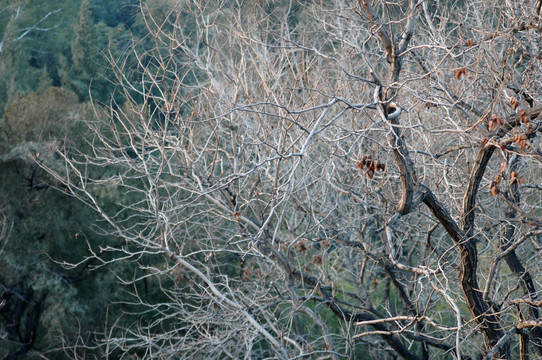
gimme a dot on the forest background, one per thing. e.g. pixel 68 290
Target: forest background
pixel 51 53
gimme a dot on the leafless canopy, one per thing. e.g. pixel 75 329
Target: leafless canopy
pixel 273 196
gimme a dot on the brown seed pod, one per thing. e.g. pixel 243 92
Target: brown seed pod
pixel 494 188
pixel 359 163
pixel 515 178
pixel 514 103
pixel 491 124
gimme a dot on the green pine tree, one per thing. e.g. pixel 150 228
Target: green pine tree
pixel 45 80
pixel 84 49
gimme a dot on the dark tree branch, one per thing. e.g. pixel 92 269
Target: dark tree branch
pixel 513 261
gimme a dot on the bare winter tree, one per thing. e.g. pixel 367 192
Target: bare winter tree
pixel 331 179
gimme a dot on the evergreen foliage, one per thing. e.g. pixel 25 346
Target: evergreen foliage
pixel 83 46
pixel 52 56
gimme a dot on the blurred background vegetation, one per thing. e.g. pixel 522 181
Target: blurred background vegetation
pixel 54 72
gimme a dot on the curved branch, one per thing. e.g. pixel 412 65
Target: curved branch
pixel 489 321
pixel 469 198
pixel 407 172
pixel 467 244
